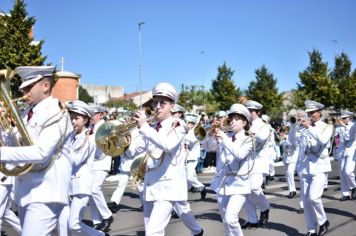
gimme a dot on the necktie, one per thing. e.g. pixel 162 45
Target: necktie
pixel 158 126
pixel 313 124
pixel 233 138
pixel 29 114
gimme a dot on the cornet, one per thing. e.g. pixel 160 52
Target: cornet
pixel 113 137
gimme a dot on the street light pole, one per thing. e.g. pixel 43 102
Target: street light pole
pixel 140 62
pixel 203 75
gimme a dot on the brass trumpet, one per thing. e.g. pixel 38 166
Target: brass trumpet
pixel 200 132
pixel 113 137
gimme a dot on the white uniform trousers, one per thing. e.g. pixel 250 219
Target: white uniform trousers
pixel 6 214
pixel 121 185
pixel 39 218
pixel 314 214
pixel 256 198
pixel 301 193
pixel 290 170
pixel 182 208
pixel 77 208
pixel 192 175
pixel 347 175
pixel 98 207
pixel 156 215
pixel 230 207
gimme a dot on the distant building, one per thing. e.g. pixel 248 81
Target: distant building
pixel 66 87
pixel 103 93
pixel 136 98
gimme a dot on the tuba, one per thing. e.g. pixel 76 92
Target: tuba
pixel 12 117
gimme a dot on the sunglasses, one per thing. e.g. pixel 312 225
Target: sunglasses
pixel 160 103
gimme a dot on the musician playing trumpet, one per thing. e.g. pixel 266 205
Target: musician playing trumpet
pixel 165 180
pixel 314 164
pixel 234 162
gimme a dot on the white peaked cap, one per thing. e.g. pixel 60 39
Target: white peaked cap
pixel 32 74
pixel 250 104
pixel 165 90
pixel 312 106
pixel 345 113
pixel 240 109
pixel 79 107
pixel 178 108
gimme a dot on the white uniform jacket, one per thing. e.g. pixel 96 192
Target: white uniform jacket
pixel 49 128
pixel 193 145
pixel 82 150
pixel 101 160
pixel 233 163
pixel 348 140
pixel 293 140
pixel 125 161
pixel 165 178
pixel 314 156
pixel 261 132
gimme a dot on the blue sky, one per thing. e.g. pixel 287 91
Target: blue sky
pixel 184 42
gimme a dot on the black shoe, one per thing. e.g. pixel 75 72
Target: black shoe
pixel 105 225
pixel 194 190
pixel 353 193
pixel 270 177
pixel 248 225
pixel 114 207
pixel 263 186
pixel 344 198
pixel 200 234
pixel 292 194
pixel 325 189
pixel 311 234
pixel 96 226
pixel 266 180
pixel 203 193
pixel 106 234
pixel 264 217
pixel 300 211
pixel 174 215
pixel 323 228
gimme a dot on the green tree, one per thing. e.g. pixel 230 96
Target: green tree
pixel 315 83
pixel 265 91
pixel 84 95
pixel 341 75
pixel 223 90
pixel 349 92
pixel 196 95
pixel 17 47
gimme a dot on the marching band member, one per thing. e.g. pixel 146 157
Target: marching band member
pixel 100 213
pixel 124 176
pixel 273 152
pixel 193 145
pixel 290 156
pixel 182 209
pixel 82 149
pixel 313 164
pixel 346 150
pixel 41 194
pixel 234 155
pixel 261 133
pixel 6 188
pixel 165 180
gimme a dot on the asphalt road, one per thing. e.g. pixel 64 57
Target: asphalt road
pixel 284 219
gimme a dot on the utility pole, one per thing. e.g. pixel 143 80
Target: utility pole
pixel 140 62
